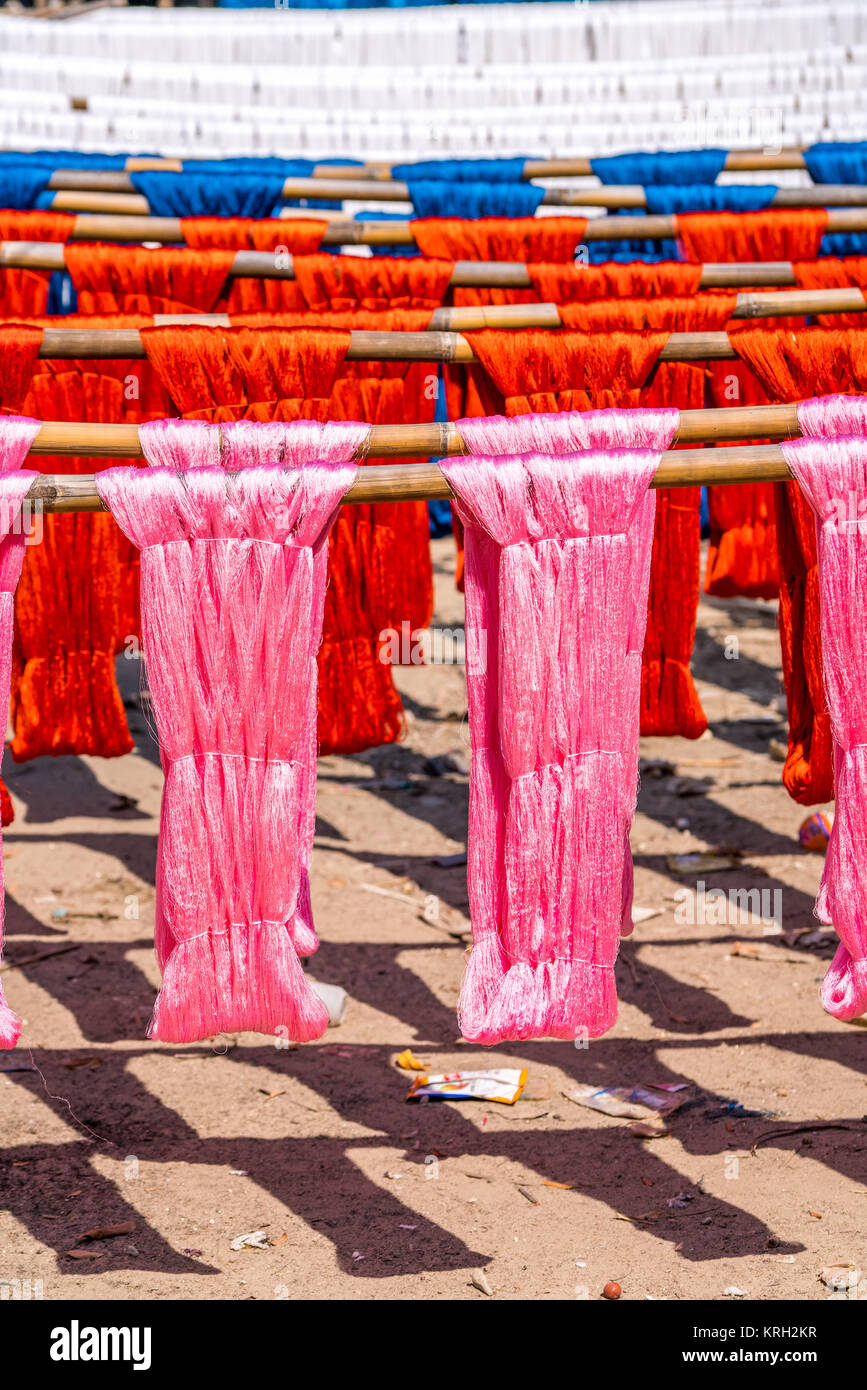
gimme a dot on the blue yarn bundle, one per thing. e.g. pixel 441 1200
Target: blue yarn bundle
pixel 666 200
pixel 439 511
pixel 673 181
pixel 842 161
pixel 22 187
pixel 61 159
pixel 661 167
pixel 442 198
pixel 463 170
pixel 255 164
pixel 209 194
pixel 843 244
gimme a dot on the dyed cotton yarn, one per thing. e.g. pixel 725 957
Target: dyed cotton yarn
pixel 832 473
pixel 828 416
pixel 16 435
pixel 534 370
pixel 795 367
pixel 665 200
pixel 22 187
pixel 557 574
pixel 443 198
pixel 133 280
pixel 463 170
pixel 205 194
pixel 837 161
pixel 775 234
pixel 232 593
pixel 660 167
pixel 570 431
pixel 183 444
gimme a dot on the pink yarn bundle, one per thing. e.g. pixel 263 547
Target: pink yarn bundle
pixel 16 435
pixel 565 433
pixel 235 445
pixel 557 571
pixel 233 573
pixel 829 416
pixel 570 430
pixel 831 470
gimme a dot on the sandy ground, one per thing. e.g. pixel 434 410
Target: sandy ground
pixel 361 1194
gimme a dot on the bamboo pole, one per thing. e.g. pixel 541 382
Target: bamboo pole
pixel 62 437
pixel 419 481
pixel 112 191
pixel 441 341
pixel 368 345
pixel 736 161
pixel 106 227
pixel 263 265
pixel 472 317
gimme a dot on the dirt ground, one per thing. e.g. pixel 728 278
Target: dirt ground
pixel 360 1194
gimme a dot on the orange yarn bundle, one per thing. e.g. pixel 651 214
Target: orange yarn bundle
pixel 827 273
pixel 742 552
pixel 281 236
pixel 777 234
pixel 25 292
pixel 133 280
pixel 77 600
pixel 573 284
pixel 499 239
pixel 742 555
pixel 818 362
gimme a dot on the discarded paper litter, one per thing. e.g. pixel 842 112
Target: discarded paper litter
pixel 14 1061
pixel 630 1102
pixel 408 1061
pixel 842 1277
pixel 503 1085
pixel 253 1240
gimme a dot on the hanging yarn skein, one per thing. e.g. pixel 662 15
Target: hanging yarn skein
pixel 832 473
pixel 16 435
pixel 233 571
pixel 183 444
pixel 558 551
pixel 802 366
pixel 540 370
pixel 443 198
pixel 270 374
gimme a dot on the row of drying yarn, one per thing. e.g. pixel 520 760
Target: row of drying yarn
pixel 701 236
pixel 559 519
pixel 78 601
pixel 758 538
pixel 199 277
pixel 675 182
